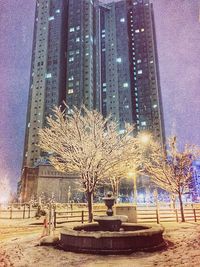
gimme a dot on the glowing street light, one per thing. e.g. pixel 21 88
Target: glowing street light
pixel 144 138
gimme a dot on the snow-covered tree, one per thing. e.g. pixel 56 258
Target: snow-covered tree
pixel 4 190
pixel 171 169
pixel 130 167
pixel 87 144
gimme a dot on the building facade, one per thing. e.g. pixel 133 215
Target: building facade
pixel 101 55
pixel 194 188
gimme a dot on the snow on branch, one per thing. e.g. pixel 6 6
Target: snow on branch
pixel 171 169
pixel 87 144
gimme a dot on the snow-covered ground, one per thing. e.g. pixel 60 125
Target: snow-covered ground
pixel 22 250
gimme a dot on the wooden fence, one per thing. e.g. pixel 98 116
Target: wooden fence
pixel 74 216
pixel 16 211
pixel 165 214
pixel 144 215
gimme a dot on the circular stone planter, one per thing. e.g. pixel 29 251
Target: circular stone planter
pixel 88 238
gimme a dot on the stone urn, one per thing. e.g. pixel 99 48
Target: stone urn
pixel 109 200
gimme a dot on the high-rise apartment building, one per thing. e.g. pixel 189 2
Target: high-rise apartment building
pixel 101 55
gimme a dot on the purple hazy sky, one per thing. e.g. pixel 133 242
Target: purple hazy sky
pixel 178 39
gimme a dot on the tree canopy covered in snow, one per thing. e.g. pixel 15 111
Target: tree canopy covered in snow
pixel 87 144
pixel 171 169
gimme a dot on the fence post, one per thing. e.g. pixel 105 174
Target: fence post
pixel 29 211
pixel 50 218
pixel 54 219
pixel 157 216
pixel 176 211
pixel 195 217
pixel 24 211
pixel 11 211
pixel 82 216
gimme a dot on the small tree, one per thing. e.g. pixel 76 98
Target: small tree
pixel 5 190
pixel 87 144
pixel 171 169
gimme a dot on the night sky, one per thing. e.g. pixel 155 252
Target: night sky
pixel 178 40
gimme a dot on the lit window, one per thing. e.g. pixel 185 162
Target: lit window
pixel 51 18
pixel 151 62
pixel 71 59
pixel 137 31
pixel 70 111
pixel 104 84
pixel 143 123
pixel 70 91
pixel 142 30
pixel 119 60
pixel 103 35
pixel 121 131
pixel 78 39
pixel 139 61
pixel 103 31
pixel 135 3
pixel 87 54
pixel 122 20
pixel 48 75
pixel 154 106
pixel 57 11
pixel 77 52
pixel 71 29
pixel 127 106
pixel 139 71
pixel 87 36
pixel 78 28
pixel 125 85
pixel 71 78
pixel 103 49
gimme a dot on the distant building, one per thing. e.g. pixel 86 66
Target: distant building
pixel 102 55
pixel 130 86
pixel 195 184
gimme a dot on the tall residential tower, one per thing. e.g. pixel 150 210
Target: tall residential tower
pixel 101 55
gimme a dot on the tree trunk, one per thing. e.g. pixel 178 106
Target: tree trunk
pixel 181 207
pixel 90 207
pixel 117 191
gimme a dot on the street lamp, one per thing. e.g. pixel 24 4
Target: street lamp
pixel 133 175
pixel 144 138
